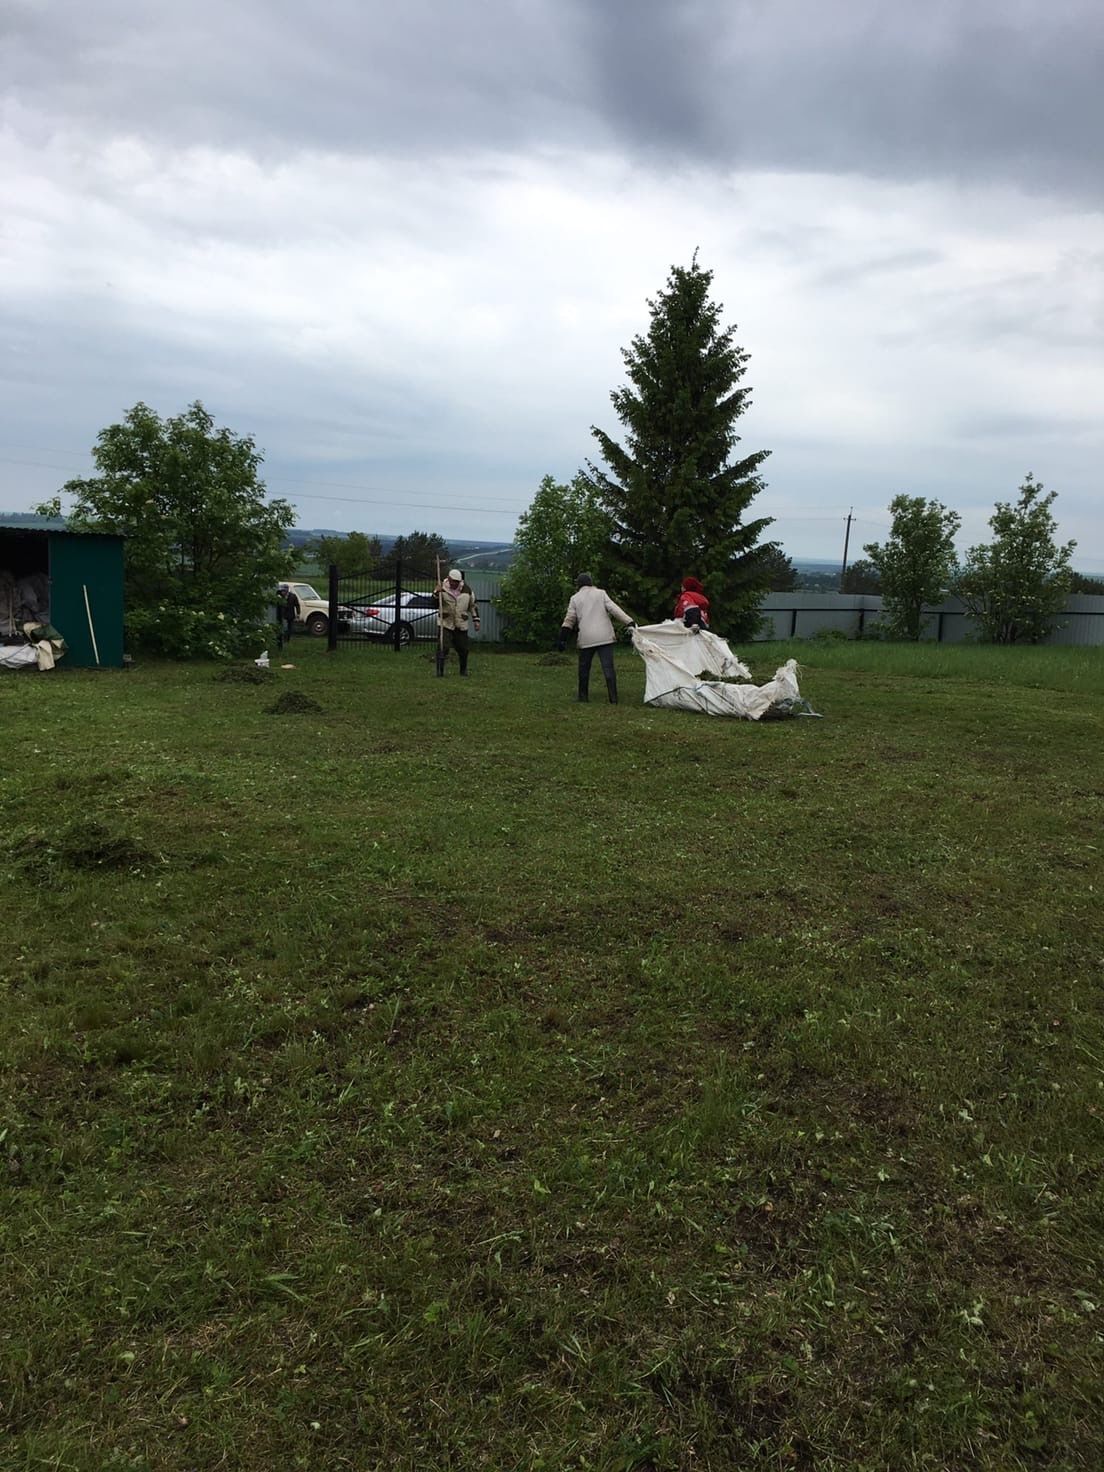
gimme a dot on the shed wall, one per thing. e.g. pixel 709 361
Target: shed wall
pixel 96 563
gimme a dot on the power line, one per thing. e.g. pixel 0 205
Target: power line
pixel 341 485
pixel 298 480
pixel 393 497
pixel 41 464
pixel 399 499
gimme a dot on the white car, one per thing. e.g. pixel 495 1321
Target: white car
pixel 314 610
pixel 417 617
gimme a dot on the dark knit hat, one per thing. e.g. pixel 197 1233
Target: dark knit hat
pixel 584 580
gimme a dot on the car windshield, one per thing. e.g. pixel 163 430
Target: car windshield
pixel 304 590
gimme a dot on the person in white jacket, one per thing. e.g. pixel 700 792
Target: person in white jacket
pixel 590 611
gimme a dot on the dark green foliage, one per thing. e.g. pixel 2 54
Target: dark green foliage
pixel 779 568
pixel 419 553
pixel 204 547
pixel 1080 583
pixel 676 499
pixel 862 577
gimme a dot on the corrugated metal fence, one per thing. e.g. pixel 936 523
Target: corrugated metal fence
pixel 801 615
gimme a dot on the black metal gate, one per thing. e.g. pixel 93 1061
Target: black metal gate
pixel 382 609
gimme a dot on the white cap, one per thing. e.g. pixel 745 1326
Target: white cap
pixel 455 575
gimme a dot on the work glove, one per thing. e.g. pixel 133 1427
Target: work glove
pixel 562 638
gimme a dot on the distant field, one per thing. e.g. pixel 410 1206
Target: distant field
pixel 458 1077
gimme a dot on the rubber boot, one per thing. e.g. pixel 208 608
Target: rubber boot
pixel 611 686
pixel 584 693
pixel 441 663
pixel 463 664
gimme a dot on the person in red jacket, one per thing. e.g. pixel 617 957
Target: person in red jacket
pixel 692 605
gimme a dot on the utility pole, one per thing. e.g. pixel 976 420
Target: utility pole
pixel 846 544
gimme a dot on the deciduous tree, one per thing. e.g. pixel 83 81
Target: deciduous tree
pixel 676 499
pixel 204 546
pixel 1016 586
pixel 564 532
pixel 915 563
pixel 354 553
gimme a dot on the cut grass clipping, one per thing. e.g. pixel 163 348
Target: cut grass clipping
pixel 293 702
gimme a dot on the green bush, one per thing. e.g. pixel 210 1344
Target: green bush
pixel 830 636
pixel 171 632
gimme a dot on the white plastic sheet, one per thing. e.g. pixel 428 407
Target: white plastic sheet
pixel 15 656
pixel 676 659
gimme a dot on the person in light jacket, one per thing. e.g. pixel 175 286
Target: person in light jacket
pixel 590 612
pixel 456 606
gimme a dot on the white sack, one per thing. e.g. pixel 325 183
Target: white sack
pixel 14 656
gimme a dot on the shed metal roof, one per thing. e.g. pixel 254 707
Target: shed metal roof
pixel 16 521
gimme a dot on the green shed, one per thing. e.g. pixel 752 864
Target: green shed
pixel 83 573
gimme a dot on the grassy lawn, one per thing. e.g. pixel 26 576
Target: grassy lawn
pixel 457 1077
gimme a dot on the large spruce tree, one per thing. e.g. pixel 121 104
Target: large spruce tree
pixel 675 497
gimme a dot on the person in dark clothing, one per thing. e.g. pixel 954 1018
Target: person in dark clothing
pixel 292 608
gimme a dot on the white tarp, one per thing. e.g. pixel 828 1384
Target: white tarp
pixel 675 659
pixel 15 656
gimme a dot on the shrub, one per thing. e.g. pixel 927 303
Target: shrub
pixel 173 632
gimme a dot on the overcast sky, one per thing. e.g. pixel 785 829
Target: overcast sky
pixel 404 245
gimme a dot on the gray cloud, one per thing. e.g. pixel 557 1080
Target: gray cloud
pixel 993 91
pixel 403 245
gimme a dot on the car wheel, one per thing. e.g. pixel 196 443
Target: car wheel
pixel 317 625
pixel 406 635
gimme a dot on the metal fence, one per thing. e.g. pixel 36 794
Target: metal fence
pixel 363 613
pixel 801 615
pixel 395 609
